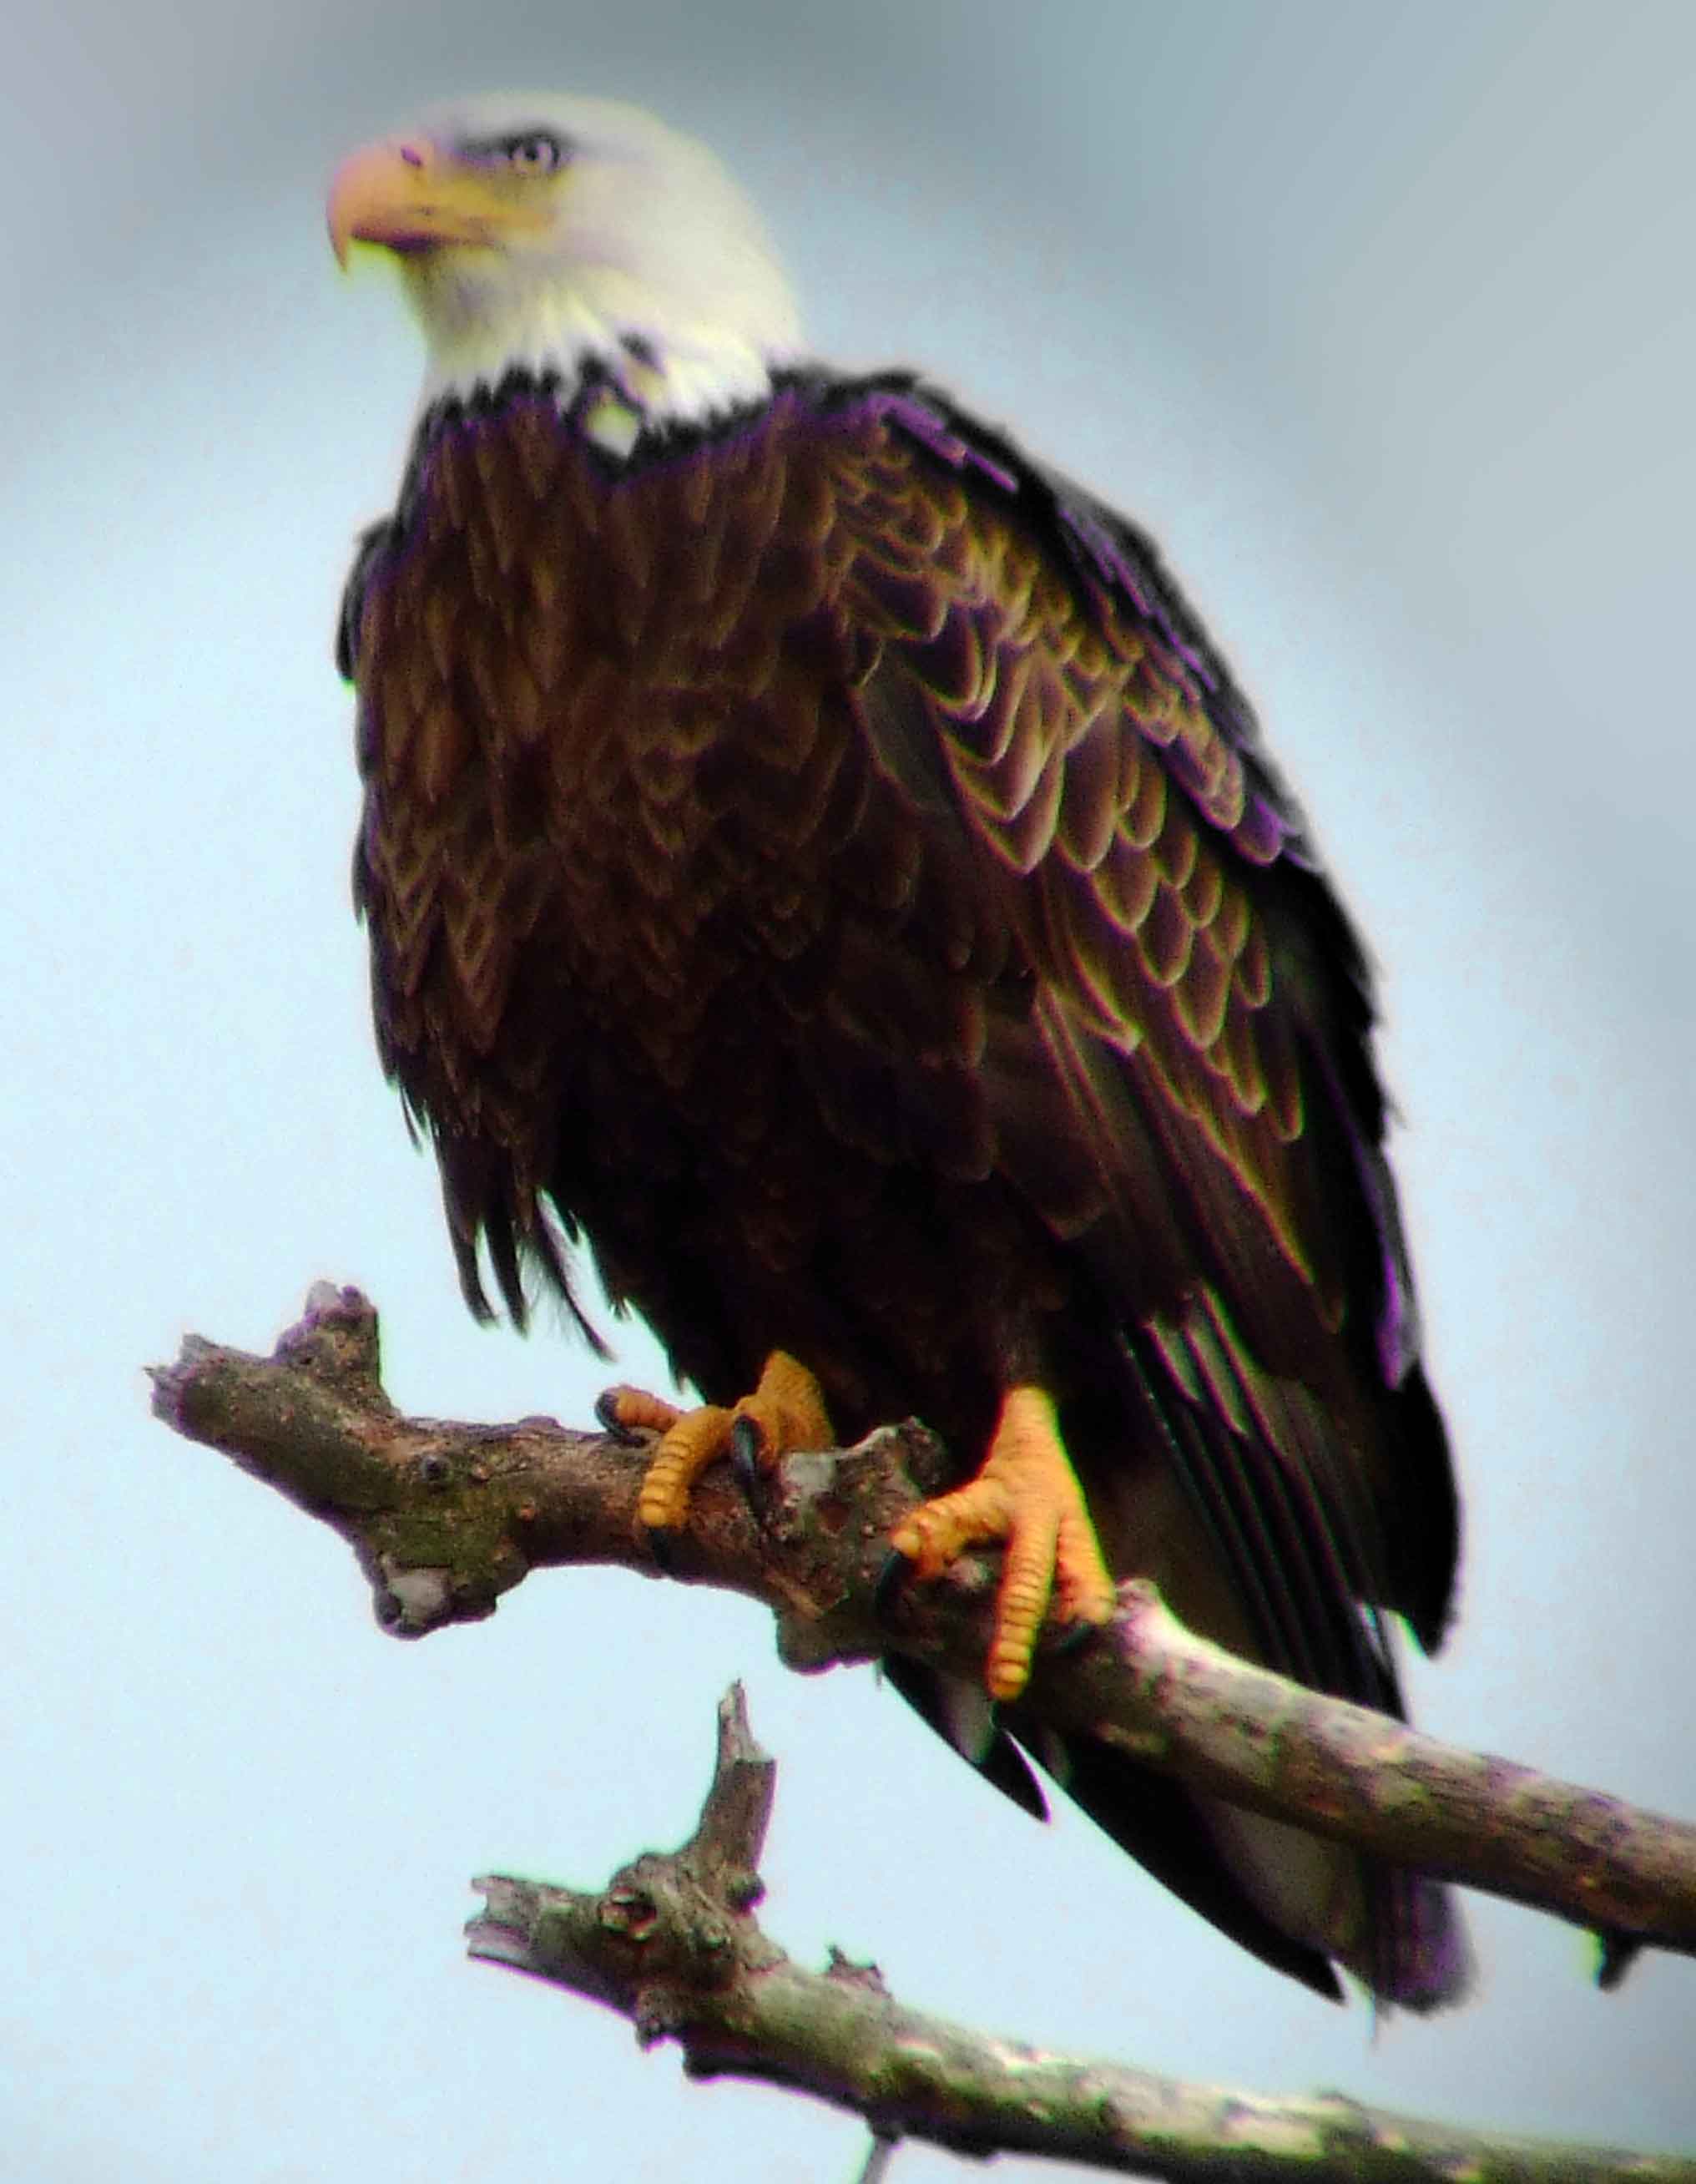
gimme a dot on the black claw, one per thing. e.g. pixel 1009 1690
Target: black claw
pixel 1619 1952
pixel 662 1545
pixel 607 1411
pixel 1072 1637
pixel 892 1583
pixel 746 1447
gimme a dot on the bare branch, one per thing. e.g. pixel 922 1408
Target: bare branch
pixel 446 1517
pixel 685 1959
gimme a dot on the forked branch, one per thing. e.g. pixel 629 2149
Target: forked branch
pixel 445 1518
pixel 672 1943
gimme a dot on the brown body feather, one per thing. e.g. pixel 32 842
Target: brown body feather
pixel 823 862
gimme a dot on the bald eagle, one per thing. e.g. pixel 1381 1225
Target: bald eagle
pixel 813 856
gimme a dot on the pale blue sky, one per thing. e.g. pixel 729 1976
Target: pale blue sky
pixel 1382 316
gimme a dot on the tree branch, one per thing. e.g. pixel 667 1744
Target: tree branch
pixel 672 1944
pixel 445 1518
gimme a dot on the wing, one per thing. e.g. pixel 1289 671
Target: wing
pixel 1187 1092
pixel 439 885
pixel 1186 1095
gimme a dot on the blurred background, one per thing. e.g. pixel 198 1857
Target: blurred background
pixel 1381 318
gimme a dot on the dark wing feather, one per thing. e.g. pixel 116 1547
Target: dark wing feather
pixel 963 1717
pixel 1189 1098
pixel 449 908
pixel 1192 1096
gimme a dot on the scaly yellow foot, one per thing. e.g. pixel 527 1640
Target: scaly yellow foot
pixel 786 1411
pixel 1028 1495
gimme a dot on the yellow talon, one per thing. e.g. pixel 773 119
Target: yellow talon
pixel 693 1441
pixel 786 1409
pixel 1028 1495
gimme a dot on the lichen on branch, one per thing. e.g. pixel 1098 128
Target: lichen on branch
pixel 445 1518
pixel 672 1943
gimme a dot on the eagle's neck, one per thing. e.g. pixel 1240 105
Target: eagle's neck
pixel 667 368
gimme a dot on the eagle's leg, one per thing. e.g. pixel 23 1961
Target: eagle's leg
pixel 786 1411
pixel 1028 1496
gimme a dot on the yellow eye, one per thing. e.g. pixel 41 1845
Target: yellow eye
pixel 536 153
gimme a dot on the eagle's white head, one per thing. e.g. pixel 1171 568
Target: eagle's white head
pixel 542 232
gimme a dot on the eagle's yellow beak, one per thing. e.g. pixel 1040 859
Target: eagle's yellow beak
pixel 406 195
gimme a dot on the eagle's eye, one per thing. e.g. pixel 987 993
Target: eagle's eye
pixel 538 151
